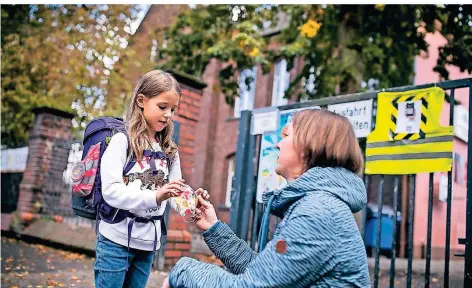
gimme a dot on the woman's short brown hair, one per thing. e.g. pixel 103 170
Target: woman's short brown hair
pixel 326 139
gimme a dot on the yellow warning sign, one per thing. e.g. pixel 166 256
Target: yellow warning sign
pixel 408 137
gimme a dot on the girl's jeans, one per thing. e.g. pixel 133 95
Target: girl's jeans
pixel 110 265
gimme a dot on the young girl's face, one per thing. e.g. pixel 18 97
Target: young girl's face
pixel 289 163
pixel 159 110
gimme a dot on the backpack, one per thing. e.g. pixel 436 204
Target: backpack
pixel 87 200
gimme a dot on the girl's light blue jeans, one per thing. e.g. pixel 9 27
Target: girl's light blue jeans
pixel 110 265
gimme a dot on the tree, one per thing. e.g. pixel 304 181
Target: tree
pixel 63 56
pixel 342 46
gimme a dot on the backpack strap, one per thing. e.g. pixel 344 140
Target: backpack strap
pixel 130 161
pixel 154 155
pixel 153 220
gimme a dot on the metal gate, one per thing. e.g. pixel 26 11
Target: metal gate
pixel 246 212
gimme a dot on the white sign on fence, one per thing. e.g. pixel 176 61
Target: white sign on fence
pixel 359 113
pixel 14 160
pixel 461 123
pixel 264 120
pixel 443 188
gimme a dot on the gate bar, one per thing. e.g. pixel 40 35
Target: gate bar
pixel 446 85
pixel 449 202
pixel 427 273
pixel 364 211
pixel 468 229
pixel 239 184
pixel 255 224
pixel 394 230
pixel 248 193
pixel 379 230
pixel 411 223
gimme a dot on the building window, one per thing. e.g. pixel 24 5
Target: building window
pixel 245 101
pixel 229 181
pixel 281 83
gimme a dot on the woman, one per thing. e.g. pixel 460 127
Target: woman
pixel 317 244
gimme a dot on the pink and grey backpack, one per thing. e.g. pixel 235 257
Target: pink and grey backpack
pixel 87 200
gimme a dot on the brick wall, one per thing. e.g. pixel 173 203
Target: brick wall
pixel 188 115
pixel 158 18
pixel 179 245
pixel 50 127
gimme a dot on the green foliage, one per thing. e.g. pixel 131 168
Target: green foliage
pixel 65 57
pixel 343 46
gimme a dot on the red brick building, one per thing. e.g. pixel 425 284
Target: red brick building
pixel 214 143
pixel 209 155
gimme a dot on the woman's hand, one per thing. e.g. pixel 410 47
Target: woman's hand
pixel 171 189
pixel 206 214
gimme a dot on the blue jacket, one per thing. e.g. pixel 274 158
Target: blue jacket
pixel 323 245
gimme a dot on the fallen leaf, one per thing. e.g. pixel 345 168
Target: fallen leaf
pixel 74 278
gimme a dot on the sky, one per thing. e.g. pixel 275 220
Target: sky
pixel 142 13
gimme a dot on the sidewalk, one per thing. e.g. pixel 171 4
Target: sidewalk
pixel 35 265
pixel 81 240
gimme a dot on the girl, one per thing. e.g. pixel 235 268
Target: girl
pixel 317 244
pixel 124 251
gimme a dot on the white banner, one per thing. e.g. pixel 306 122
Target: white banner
pixel 14 160
pixel 461 123
pixel 359 113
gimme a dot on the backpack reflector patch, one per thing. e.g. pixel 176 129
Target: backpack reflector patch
pixel 85 171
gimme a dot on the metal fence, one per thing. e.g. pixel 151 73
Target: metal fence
pixel 246 212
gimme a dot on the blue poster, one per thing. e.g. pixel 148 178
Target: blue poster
pixel 267 179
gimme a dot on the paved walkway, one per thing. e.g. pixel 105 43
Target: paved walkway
pixel 33 265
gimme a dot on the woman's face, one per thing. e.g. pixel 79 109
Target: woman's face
pixel 289 162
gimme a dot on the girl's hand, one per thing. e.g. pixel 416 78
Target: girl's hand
pixel 206 214
pixel 166 284
pixel 203 193
pixel 171 189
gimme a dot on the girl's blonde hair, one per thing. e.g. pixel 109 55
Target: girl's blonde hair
pixel 152 84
